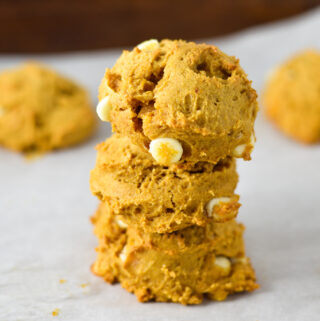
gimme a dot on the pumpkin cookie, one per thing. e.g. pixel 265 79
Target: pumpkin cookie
pixel 179 267
pixel 41 110
pixel 194 96
pixel 292 97
pixel 160 198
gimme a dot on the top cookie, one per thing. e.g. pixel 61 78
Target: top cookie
pixel 194 95
pixel 41 110
pixel 292 97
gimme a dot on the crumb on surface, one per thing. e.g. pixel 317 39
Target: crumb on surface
pixel 61 281
pixel 55 312
pixel 83 285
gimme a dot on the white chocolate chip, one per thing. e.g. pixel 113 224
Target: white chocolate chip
pixel 216 201
pixel 104 108
pixel 223 262
pixel 123 254
pixel 166 150
pixel 243 260
pixel 2 111
pixel 121 224
pixel 240 149
pixel 149 45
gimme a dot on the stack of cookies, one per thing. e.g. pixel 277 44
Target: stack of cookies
pixel 181 113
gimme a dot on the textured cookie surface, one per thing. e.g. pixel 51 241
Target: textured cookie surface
pixel 161 198
pixel 292 97
pixel 193 93
pixel 41 110
pixel 180 267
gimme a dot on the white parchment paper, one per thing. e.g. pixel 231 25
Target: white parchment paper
pixel 46 236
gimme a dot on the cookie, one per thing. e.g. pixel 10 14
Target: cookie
pixel 160 198
pixel 193 94
pixel 182 267
pixel 41 110
pixel 292 97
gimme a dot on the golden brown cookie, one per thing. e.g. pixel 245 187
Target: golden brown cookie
pixel 41 110
pixel 292 97
pixel 180 267
pixel 160 198
pixel 192 93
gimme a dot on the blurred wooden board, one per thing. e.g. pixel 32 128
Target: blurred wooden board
pixel 60 25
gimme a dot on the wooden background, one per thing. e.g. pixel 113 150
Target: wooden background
pixel 65 25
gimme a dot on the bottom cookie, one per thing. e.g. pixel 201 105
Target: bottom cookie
pixel 183 266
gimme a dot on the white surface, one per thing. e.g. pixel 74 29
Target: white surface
pixel 45 234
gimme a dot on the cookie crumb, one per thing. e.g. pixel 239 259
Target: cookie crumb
pixel 55 312
pixel 61 281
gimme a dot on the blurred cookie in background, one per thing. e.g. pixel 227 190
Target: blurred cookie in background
pixel 292 97
pixel 41 110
